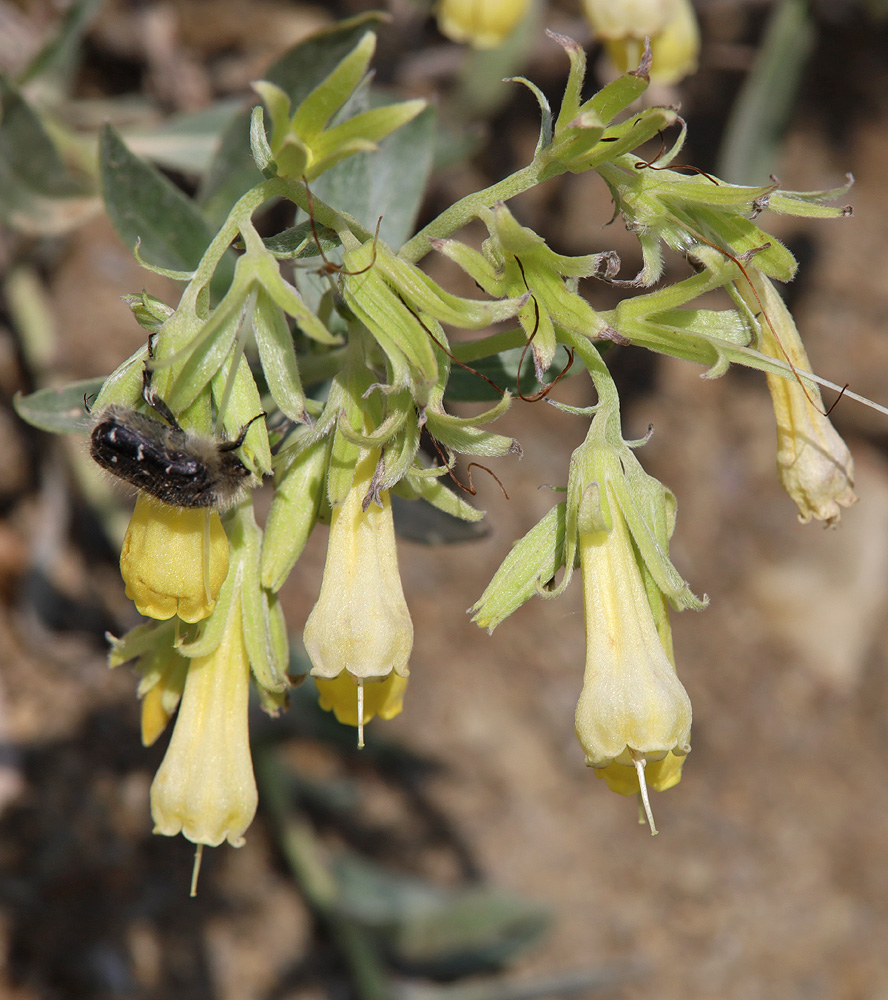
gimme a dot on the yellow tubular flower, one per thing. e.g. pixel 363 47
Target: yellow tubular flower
pixel 671 26
pixel 165 555
pixel 483 24
pixel 814 464
pixel 633 710
pixel 360 625
pixel 205 787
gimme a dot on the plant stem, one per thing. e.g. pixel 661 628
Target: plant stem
pixel 455 217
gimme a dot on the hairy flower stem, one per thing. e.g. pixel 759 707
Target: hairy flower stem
pixel 466 209
pixel 239 219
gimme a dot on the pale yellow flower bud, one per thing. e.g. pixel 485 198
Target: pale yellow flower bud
pixel 174 560
pixel 814 464
pixel 671 26
pixel 633 708
pixel 360 625
pixel 613 19
pixel 205 787
pixel 483 24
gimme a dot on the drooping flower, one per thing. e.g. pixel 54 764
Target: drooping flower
pixel 174 560
pixel 483 24
pixel 205 788
pixel 814 464
pixel 633 710
pixel 360 631
pixel 671 26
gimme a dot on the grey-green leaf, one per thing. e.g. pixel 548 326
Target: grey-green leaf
pixel 59 410
pixel 143 204
pixel 298 71
pixel 435 931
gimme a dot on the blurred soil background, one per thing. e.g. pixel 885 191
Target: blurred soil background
pixel 770 875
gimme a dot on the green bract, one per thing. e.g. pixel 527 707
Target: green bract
pixel 304 143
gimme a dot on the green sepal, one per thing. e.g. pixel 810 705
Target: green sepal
pixel 149 312
pixel 573 145
pixel 140 640
pixel 694 190
pixel 380 435
pixel 432 489
pixel 157 660
pixel 425 295
pixel 273 702
pixel 344 455
pixel 203 358
pixel 212 629
pixel 396 328
pixel 546 124
pixel 474 263
pixel 462 436
pixel 303 146
pixel 336 402
pixel 124 385
pixel 292 158
pixel 262 621
pixel 163 665
pixel 196 362
pixel 267 273
pixel 315 112
pixel 743 237
pixel 259 145
pixel 525 572
pixel 243 405
pixel 233 170
pixel 629 135
pixel 573 88
pixel 361 133
pixel 649 509
pixel 810 203
pixel 274 341
pixel 617 95
pixel 603 471
pixel 299 489
pixel 278 103
pixel 400 453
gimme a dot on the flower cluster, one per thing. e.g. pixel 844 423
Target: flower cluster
pixel 331 381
